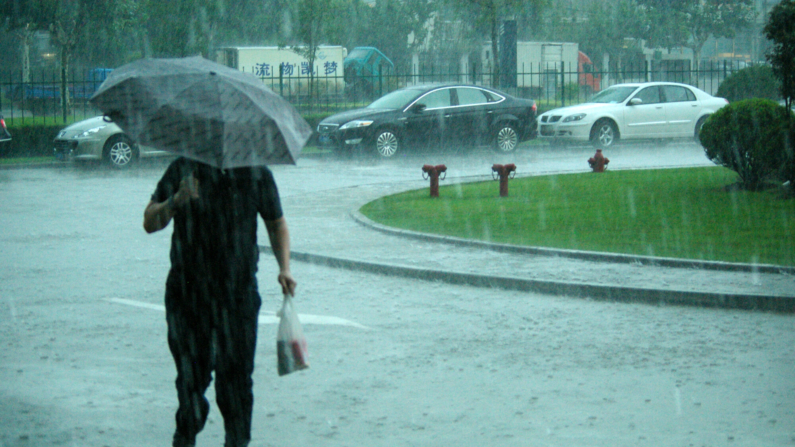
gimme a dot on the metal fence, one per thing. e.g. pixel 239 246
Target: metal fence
pixel 550 86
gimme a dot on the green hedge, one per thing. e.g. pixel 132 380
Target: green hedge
pixel 30 140
pixel 752 82
pixel 750 138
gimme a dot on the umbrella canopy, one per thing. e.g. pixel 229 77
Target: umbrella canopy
pixel 204 111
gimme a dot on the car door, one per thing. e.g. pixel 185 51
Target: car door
pixel 429 127
pixel 681 110
pixel 470 119
pixel 646 119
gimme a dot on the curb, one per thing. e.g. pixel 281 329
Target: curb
pixel 10 166
pixel 595 292
pixel 578 254
pixel 768 303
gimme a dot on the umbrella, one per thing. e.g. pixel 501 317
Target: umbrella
pixel 202 110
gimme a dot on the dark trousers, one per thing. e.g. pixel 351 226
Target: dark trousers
pixel 212 325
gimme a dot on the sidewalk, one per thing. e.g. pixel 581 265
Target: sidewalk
pixel 348 239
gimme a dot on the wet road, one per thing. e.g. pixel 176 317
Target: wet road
pixel 85 363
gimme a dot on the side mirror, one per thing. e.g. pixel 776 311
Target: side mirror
pixel 635 101
pixel 417 108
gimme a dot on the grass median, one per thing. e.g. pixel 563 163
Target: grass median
pixel 693 213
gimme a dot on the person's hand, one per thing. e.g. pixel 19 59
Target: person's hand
pixel 188 189
pixel 287 282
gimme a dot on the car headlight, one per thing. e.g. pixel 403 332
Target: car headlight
pixel 356 123
pixel 576 117
pixel 90 132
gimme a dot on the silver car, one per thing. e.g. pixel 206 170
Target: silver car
pixel 97 139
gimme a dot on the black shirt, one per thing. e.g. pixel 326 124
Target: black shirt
pixel 215 236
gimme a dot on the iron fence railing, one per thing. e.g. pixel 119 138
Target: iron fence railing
pixel 550 85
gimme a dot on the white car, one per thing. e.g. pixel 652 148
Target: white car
pixel 98 139
pixel 649 110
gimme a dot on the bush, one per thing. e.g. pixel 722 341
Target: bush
pixel 572 93
pixel 750 138
pixel 752 82
pixel 788 170
pixel 30 140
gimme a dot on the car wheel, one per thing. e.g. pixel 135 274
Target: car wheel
pixel 505 138
pixel 604 134
pixel 119 152
pixel 699 125
pixel 387 143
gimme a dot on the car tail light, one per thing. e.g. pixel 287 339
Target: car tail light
pixel 535 109
pixel 3 123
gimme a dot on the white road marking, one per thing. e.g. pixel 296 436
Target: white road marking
pixel 264 317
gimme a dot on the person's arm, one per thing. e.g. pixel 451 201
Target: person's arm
pixel 279 236
pixel 157 215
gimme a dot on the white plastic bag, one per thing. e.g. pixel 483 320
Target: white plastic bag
pixel 291 349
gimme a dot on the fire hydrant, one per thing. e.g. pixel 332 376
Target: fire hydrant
pixel 598 162
pixel 433 172
pixel 505 172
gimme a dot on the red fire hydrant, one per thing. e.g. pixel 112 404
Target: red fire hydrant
pixel 598 162
pixel 433 172
pixel 505 172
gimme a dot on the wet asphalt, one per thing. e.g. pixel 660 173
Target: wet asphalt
pixel 547 348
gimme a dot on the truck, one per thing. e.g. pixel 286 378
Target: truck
pixel 283 68
pixel 364 67
pixel 78 89
pixel 539 66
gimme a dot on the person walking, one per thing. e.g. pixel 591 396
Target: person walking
pixel 212 298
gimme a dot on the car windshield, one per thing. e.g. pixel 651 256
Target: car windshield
pixel 396 99
pixel 613 95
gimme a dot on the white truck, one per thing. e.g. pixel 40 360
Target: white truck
pixel 283 68
pixel 539 65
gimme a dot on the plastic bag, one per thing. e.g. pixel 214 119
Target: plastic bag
pixel 291 349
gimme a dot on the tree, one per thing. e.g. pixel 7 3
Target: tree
pixel 24 18
pixel 65 27
pixel 112 34
pixel 561 23
pixel 342 14
pixel 780 29
pixel 663 26
pixel 486 16
pixel 692 22
pixel 253 22
pixel 599 34
pixel 312 18
pixel 390 24
pixel 180 28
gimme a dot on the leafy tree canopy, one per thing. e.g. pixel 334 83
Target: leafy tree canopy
pixel 691 23
pixel 780 29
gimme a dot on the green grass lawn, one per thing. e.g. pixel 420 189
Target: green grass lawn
pixel 692 213
pixel 25 160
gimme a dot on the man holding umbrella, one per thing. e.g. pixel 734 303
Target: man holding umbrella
pixel 212 301
pixel 226 127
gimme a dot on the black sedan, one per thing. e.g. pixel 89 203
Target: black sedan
pixel 433 117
